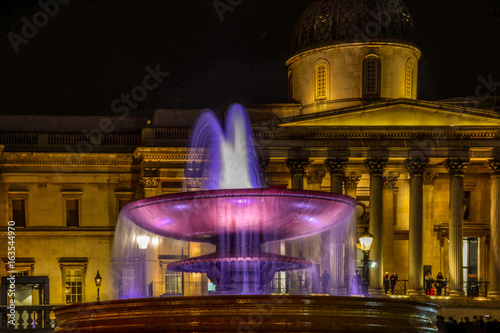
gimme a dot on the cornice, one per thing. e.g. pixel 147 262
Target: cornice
pixel 168 154
pixel 377 133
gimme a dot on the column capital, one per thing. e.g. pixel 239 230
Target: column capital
pixel 351 180
pixel 150 182
pixel 264 164
pixel 456 166
pixel 390 179
pixel 336 165
pixel 429 177
pixel 297 165
pixel 494 166
pixel 376 165
pixel 416 165
pixel 315 177
pixel 194 183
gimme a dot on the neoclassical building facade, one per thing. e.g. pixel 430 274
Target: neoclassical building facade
pixel 426 174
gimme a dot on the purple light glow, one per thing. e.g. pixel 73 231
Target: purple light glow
pixel 235 214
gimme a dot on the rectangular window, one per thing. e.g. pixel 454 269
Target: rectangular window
pixel 173 282
pixel 122 203
pixel 19 212
pixel 73 286
pixel 122 199
pixel 18 207
pixel 72 212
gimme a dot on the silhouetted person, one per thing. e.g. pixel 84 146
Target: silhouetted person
pixel 468 326
pixel 451 325
pixel 393 279
pixel 441 324
pixel 386 282
pixel 440 283
pixel 428 283
pixel 325 278
pixel 357 283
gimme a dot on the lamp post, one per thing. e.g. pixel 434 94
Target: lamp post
pixel 98 281
pixel 299 275
pixel 143 242
pixel 366 241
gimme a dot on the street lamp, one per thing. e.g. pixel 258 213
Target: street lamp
pixel 366 241
pixel 143 242
pixel 98 281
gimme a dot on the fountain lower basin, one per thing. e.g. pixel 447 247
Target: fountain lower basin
pixel 256 313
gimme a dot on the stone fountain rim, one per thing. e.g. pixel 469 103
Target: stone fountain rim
pixel 241 192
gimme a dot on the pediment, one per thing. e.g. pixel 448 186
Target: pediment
pixel 400 114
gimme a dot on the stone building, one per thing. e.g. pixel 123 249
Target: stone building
pixel 426 174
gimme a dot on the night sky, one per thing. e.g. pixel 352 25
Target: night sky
pixel 93 51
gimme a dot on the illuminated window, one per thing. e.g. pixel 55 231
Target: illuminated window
pixel 173 282
pixel 17 208
pixel 73 286
pixel 321 81
pixel 371 77
pixel 409 78
pixel 73 278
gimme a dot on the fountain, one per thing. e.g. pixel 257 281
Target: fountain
pixel 239 217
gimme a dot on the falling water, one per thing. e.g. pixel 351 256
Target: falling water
pixel 229 157
pixel 225 158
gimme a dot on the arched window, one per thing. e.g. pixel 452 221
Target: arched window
pixel 321 74
pixel 371 77
pixel 409 78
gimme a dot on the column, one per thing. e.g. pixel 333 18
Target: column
pixel 336 167
pixel 456 167
pixel 150 185
pixel 194 284
pixel 333 254
pixel 389 213
pixel 416 167
pixel 297 167
pixel 375 167
pixel 494 278
pixel 194 184
pixel 264 166
pixel 429 235
pixel 351 182
pixel 314 179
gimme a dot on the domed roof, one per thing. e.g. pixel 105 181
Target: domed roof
pixel 328 22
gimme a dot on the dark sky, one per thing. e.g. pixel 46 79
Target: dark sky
pixel 93 51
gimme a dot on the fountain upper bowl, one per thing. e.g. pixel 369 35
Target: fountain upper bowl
pixel 271 214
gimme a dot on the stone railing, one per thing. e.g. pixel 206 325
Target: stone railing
pixel 43 139
pixel 18 138
pixel 171 133
pixel 36 318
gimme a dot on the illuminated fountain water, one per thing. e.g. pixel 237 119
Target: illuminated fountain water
pixel 235 214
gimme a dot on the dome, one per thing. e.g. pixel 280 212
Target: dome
pixel 329 22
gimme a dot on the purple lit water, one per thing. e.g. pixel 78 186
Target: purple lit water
pixel 240 227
